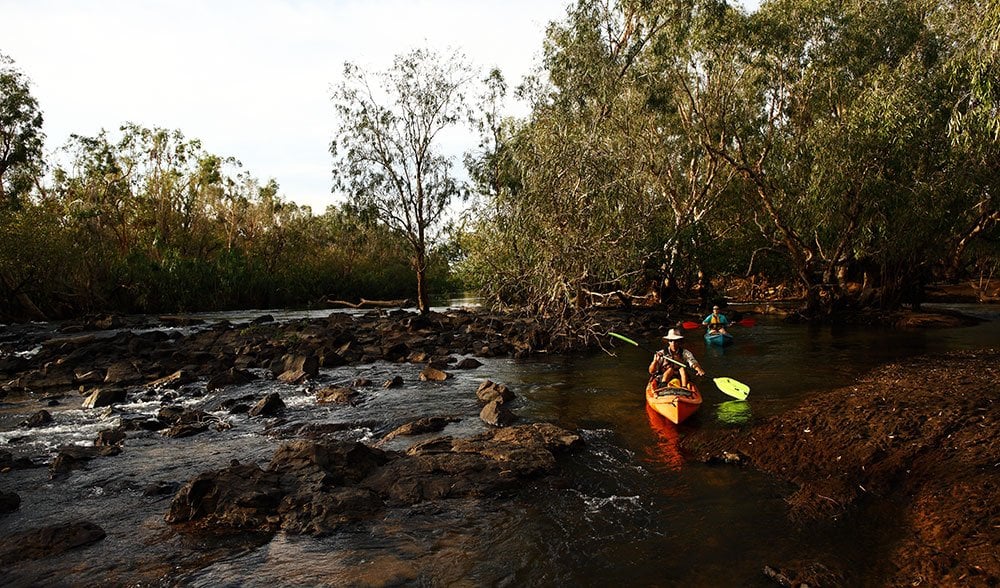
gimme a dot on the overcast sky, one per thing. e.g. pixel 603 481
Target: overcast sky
pixel 251 78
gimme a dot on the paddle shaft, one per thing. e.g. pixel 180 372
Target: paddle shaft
pixel 646 349
pixel 746 322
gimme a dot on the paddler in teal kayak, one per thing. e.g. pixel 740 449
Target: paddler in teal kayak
pixel 663 365
pixel 716 321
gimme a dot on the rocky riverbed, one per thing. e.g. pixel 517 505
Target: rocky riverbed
pixel 912 446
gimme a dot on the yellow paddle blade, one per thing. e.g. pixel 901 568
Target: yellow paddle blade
pixel 737 390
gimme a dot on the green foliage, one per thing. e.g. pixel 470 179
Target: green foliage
pixel 151 222
pixel 818 141
pixel 21 137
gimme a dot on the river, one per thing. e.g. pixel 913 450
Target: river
pixel 628 509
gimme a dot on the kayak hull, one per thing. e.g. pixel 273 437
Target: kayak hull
pixel 672 401
pixel 720 339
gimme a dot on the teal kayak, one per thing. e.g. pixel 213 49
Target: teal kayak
pixel 718 338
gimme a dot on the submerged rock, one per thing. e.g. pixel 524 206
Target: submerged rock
pixel 39 419
pixel 71 457
pixel 48 541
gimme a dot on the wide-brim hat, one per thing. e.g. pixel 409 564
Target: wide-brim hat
pixel 673 335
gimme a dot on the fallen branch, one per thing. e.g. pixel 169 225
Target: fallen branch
pixel 402 303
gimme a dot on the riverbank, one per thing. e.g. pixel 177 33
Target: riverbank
pixel 912 449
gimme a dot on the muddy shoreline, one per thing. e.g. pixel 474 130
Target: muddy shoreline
pixel 911 447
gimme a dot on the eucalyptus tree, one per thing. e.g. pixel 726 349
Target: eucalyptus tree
pixel 970 33
pixel 692 186
pixel 21 140
pixel 579 209
pixel 21 136
pixel 495 242
pixel 388 147
pixel 814 121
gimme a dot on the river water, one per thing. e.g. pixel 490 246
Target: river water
pixel 628 509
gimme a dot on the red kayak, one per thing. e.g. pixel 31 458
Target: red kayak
pixel 673 401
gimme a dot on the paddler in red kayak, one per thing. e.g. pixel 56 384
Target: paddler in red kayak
pixel 665 369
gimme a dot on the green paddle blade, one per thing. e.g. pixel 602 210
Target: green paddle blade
pixel 623 338
pixel 737 390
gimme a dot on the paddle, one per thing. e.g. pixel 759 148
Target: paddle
pixel 746 322
pixel 734 388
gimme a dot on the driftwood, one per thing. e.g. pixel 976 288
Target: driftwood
pixel 402 303
pixel 609 298
pixel 782 579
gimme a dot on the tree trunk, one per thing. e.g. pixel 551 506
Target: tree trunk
pixel 423 297
pixel 27 305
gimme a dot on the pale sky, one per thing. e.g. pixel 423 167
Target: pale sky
pixel 251 79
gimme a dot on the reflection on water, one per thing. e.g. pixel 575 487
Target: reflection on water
pixel 667 449
pixel 616 508
pixel 734 412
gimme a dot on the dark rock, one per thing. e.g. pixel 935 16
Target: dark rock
pixel 123 372
pixel 88 377
pixel 482 465
pixel 39 419
pixel 329 358
pixel 269 405
pixel 186 430
pixel 160 489
pixel 322 512
pixel 489 391
pixel 50 376
pixel 496 414
pixel 71 457
pixel 307 364
pixel 341 462
pixel 9 502
pixel 395 352
pixel 48 541
pixel 419 427
pixel 143 424
pixel 13 364
pixel 178 378
pixel 171 414
pixel 301 491
pixel 109 437
pixel 468 363
pixel 230 377
pixel 293 377
pixel 337 395
pixel 433 375
pixel 315 486
pixel 7 462
pixel 101 397
pixel 395 382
